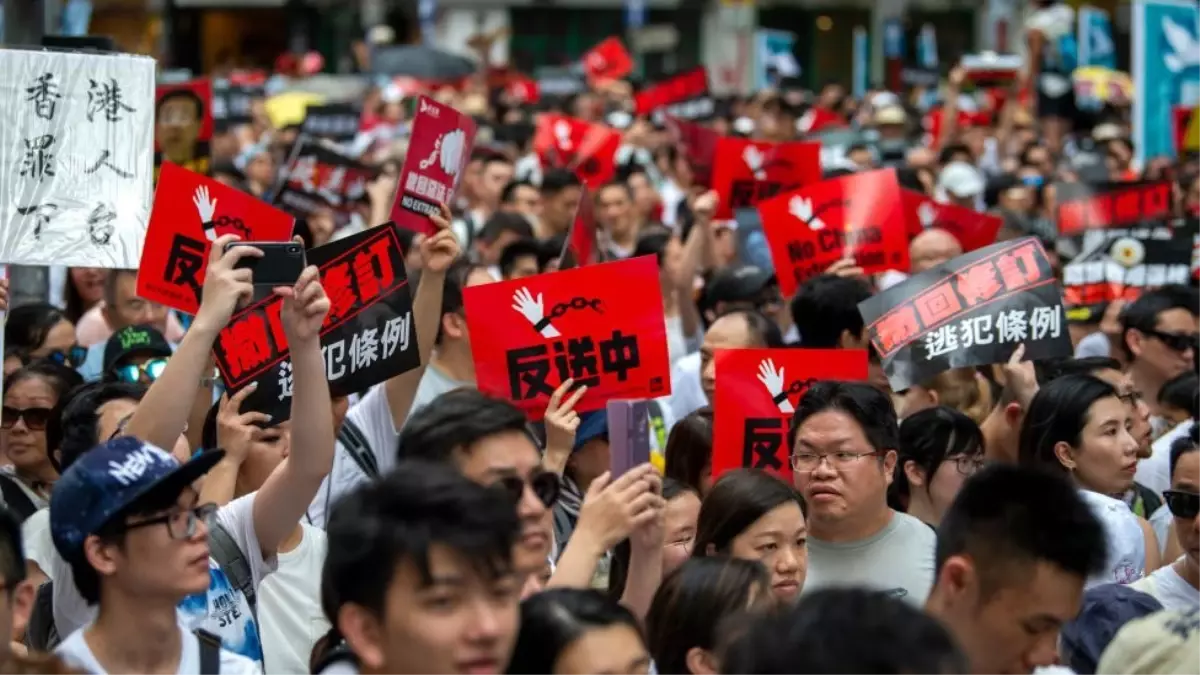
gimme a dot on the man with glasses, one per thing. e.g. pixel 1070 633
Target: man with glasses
pixel 1177 586
pixel 127 519
pixel 136 354
pixel 844 441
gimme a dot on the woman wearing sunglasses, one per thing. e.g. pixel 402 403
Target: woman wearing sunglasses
pixel 1077 425
pixel 42 331
pixel 30 397
pixel 1177 586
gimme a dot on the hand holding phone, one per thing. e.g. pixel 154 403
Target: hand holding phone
pixel 281 263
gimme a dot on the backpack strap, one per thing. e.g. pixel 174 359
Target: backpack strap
pixel 15 498
pixel 41 634
pixel 355 441
pixel 210 652
pixel 233 562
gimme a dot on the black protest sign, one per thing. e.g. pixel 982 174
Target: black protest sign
pixel 368 336
pixel 337 122
pixel 1094 206
pixel 1123 263
pixel 233 102
pixel 318 176
pixel 970 311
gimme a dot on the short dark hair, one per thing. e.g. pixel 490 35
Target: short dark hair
pixel 950 150
pixel 826 633
pixel 929 438
pixel 653 242
pixel 401 517
pixel 456 420
pixel 509 193
pixel 763 331
pixel 1142 313
pixel 1182 392
pixel 1008 514
pixel 825 306
pixel 736 500
pixel 505 221
pixel 28 326
pixel 12 550
pixel 868 406
pixel 186 94
pixel 521 248
pixel 81 417
pixel 1183 445
pixel 1058 413
pixel 688 455
pixel 693 600
pixel 553 619
pixel 1052 369
pixel 557 180
pixel 452 290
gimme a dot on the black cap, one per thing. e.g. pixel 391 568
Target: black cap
pixel 134 340
pixel 740 283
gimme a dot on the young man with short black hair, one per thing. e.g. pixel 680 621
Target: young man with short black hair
pixel 1013 552
pixel 419 577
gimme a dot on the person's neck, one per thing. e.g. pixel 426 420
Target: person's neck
pixel 136 635
pixel 1147 384
pixel 922 509
pixel 256 187
pixel 998 440
pixel 1189 570
pixel 626 239
pixel 850 528
pixel 37 477
pixel 450 359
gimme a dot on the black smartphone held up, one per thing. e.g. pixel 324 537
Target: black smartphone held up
pixel 280 265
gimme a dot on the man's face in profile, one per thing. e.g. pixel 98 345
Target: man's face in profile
pixel 177 127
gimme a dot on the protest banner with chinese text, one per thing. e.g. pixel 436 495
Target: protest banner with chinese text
pixel 233 99
pixel 685 96
pixel 602 325
pixel 746 173
pixel 337 122
pixel 318 176
pixel 78 153
pixel 1093 206
pixel 859 216
pixel 588 150
pixel 438 152
pixel 970 311
pixel 757 392
pixel 183 125
pixel 972 229
pixel 368 336
pixel 190 212
pixel 1123 263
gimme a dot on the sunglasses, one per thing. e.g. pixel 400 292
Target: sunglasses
pixel 36 419
pixel 1181 504
pixel 1177 341
pixel 73 357
pixel 152 369
pixel 544 485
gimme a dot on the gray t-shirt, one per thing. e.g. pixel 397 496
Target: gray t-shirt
pixel 433 384
pixel 898 559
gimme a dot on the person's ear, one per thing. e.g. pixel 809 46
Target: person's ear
pixel 1135 340
pixel 453 326
pixel 363 635
pixel 914 474
pixel 701 662
pixel 23 596
pixel 889 465
pixel 101 555
pixel 935 397
pixel 1065 455
pixel 847 340
pixel 957 581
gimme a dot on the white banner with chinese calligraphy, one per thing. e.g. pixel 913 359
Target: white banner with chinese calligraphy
pixel 970 311
pixel 77 151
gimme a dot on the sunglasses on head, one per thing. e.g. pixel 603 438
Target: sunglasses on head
pixel 73 357
pixel 1181 504
pixel 1179 342
pixel 544 485
pixel 153 369
pixel 36 419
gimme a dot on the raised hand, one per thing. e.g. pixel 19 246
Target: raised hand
pixel 613 509
pixel 561 424
pixel 439 250
pixel 224 286
pixel 304 307
pixel 237 430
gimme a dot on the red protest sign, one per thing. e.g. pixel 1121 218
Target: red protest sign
pixel 608 60
pixel 1098 206
pixel 589 150
pixel 747 172
pixel 858 215
pixel 757 392
pixel 183 124
pixel 685 95
pixel 189 212
pixel 438 151
pixel 601 325
pixel 699 145
pixel 972 229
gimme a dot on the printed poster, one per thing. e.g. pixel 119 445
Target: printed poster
pixel 588 150
pixel 1094 206
pixel 318 176
pixel 438 151
pixel 1166 71
pixel 746 173
pixel 971 228
pixel 1095 38
pixel 183 125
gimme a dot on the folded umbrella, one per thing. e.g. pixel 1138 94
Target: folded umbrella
pixel 420 61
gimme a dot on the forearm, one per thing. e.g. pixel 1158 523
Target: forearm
pixel 164 411
pixel 577 565
pixel 426 313
pixel 220 484
pixel 645 575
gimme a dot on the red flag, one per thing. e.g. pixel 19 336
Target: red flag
pixel 747 172
pixel 589 150
pixel 757 392
pixel 581 239
pixel 602 325
pixel 972 229
pixel 608 60
pixel 438 152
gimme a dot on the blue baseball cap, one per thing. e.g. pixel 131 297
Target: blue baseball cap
pixel 592 425
pixel 1106 609
pixel 110 478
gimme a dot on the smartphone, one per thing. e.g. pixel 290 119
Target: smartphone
pixel 280 265
pixel 628 434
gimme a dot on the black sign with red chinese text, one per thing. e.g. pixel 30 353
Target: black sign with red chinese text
pixel 757 393
pixel 1122 264
pixel 970 311
pixel 337 122
pixel 602 325
pixel 318 176
pixel 1096 206
pixel 685 96
pixel 368 336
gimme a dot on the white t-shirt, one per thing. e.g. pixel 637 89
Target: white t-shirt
pixel 899 559
pixel 373 417
pixel 222 610
pixel 39 547
pixel 1155 471
pixel 1169 588
pixel 75 651
pixel 1126 559
pixel 289 605
pixel 687 396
